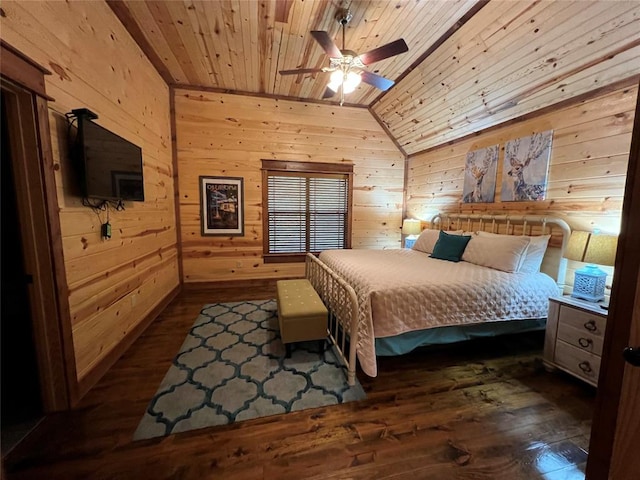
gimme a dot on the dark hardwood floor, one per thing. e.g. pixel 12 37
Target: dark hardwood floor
pixel 481 410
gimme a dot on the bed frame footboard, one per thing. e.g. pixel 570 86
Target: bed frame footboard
pixel 341 301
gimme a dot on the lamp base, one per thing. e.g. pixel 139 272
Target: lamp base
pixel 410 240
pixel 589 284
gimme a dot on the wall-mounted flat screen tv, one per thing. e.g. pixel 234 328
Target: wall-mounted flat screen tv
pixel 111 166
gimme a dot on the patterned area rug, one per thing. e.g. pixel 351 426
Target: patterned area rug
pixel 232 367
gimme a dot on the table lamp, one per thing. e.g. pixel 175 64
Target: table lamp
pixel 411 227
pixel 593 249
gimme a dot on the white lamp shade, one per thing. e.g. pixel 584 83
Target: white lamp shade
pixel 592 248
pixel 577 245
pixel 411 226
pixel 601 250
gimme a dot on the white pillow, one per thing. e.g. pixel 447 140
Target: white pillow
pixel 500 252
pixel 428 238
pixel 534 254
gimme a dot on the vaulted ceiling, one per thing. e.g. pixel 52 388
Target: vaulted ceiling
pixel 241 45
pixel 471 63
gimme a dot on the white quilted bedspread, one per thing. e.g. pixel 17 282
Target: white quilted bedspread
pixel 405 290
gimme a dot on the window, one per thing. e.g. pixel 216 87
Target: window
pixel 306 208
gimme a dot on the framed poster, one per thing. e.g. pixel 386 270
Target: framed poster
pixel 221 206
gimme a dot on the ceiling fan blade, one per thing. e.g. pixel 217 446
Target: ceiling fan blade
pixel 326 43
pixel 376 80
pixel 385 51
pixel 328 93
pixel 301 70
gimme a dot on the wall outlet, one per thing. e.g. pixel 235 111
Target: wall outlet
pixel 106 230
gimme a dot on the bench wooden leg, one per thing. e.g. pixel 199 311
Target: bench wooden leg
pixel 287 347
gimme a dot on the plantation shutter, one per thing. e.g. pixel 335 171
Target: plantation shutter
pixel 306 213
pixel 328 213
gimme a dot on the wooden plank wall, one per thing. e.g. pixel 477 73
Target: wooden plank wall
pixel 228 135
pixel 591 141
pixel 112 284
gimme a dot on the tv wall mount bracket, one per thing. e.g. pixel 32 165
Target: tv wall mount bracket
pixel 83 112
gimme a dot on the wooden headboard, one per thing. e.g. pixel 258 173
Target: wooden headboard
pixel 553 264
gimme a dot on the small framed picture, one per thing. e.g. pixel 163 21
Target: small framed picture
pixel 221 206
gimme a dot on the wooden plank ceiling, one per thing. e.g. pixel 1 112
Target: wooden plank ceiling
pixel 471 64
pixel 510 59
pixel 240 45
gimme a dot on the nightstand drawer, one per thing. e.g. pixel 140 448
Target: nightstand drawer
pixel 584 321
pixel 580 338
pixel 577 361
pixel 574 337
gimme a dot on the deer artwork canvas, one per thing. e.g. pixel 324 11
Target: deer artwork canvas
pixel 526 167
pixel 480 175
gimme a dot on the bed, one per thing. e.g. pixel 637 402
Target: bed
pixel 388 302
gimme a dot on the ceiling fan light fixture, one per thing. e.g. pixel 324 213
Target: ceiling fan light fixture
pixel 349 81
pixel 335 80
pixel 347 67
pixel 352 80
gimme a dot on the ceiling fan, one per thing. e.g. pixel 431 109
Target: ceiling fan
pixel 347 67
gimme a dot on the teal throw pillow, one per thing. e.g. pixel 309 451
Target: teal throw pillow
pixel 450 247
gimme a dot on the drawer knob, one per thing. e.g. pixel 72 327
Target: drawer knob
pixel 585 342
pixel 591 326
pixel 585 367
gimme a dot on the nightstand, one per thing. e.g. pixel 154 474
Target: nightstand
pixel 574 337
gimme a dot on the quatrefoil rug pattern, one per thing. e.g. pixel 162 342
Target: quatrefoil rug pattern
pixel 232 367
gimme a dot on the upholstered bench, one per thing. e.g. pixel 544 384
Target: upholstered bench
pixel 301 314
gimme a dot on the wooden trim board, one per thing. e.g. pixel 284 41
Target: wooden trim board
pixel 22 70
pixel 176 192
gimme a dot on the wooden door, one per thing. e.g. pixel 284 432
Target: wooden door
pixel 29 138
pixel 20 392
pixel 625 461
pixel 615 435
